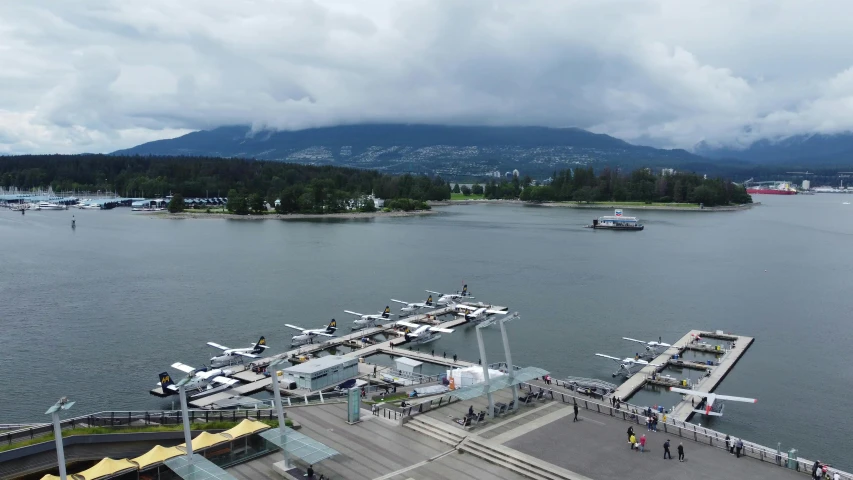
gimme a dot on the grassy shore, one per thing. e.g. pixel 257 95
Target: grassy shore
pixel 147 429
pixel 290 216
pixel 459 196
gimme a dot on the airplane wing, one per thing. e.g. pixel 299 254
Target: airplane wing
pixel 408 324
pixel 437 329
pixel 294 327
pixel 608 356
pixel 183 367
pixel 352 313
pixel 224 380
pixel 736 399
pixel 324 334
pixel 434 293
pixel 709 412
pixel 399 301
pixel 492 311
pixel 635 340
pixel 687 392
pixel 216 345
pixel 248 355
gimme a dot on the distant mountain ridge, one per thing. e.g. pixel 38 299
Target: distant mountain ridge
pixel 396 148
pixel 810 149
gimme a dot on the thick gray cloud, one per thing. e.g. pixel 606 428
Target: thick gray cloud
pixel 98 75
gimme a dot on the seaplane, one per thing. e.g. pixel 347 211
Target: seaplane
pixel 421 333
pixel 231 354
pixel 654 348
pixel 628 366
pixel 448 298
pixel 710 409
pixel 203 382
pixel 371 320
pixel 410 308
pixel 308 335
pixel 476 314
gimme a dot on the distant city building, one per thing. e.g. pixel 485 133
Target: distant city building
pixel 807 184
pixel 667 171
pixel 508 174
pixel 515 173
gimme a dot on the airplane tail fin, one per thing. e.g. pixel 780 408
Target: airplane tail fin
pixel 429 300
pixel 165 381
pixel 464 289
pixel 259 347
pixel 387 312
pixel 333 325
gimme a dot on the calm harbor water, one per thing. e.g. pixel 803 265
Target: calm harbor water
pixel 95 313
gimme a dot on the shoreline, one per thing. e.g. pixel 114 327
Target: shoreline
pixel 594 206
pixel 289 216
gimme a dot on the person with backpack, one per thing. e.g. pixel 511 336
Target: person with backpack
pixel 666 452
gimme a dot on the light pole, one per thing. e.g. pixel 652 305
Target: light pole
pixel 185 414
pixel 273 369
pixel 510 367
pixel 485 365
pixel 62 404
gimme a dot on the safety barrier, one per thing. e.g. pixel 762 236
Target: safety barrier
pixel 635 414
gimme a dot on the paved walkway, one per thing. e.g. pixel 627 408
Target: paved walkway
pixel 597 447
pixel 374 448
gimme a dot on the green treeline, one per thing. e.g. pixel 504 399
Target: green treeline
pixel 300 188
pixel 582 185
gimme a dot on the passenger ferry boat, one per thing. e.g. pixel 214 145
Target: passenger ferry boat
pixel 616 222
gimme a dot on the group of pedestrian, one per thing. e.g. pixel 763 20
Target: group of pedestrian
pixel 640 445
pixel 616 402
pixel 734 445
pixel 547 379
pixel 651 422
pixel 821 472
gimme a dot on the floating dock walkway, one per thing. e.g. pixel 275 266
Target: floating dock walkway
pixel 684 410
pixel 255 382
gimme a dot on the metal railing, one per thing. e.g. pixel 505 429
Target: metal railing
pixel 635 414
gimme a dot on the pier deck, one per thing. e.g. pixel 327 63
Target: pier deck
pixel 684 410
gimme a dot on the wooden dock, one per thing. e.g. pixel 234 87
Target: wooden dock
pixel 684 410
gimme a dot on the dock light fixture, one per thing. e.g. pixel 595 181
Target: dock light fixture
pixel 62 404
pixel 185 415
pixel 509 365
pixel 273 368
pixel 485 365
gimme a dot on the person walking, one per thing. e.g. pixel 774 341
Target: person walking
pixel 310 472
pixel 739 447
pixel 732 446
pixel 454 358
pixel 630 431
pixel 728 442
pixel 432 352
pixel 680 452
pixel 655 423
pixel 576 413
pixel 666 452
pixel 643 443
pixel 632 440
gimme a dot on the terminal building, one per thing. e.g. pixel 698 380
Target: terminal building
pixel 323 372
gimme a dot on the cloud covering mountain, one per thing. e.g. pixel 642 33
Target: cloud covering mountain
pixel 99 75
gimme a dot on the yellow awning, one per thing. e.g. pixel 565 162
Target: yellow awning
pixel 205 440
pixel 246 427
pixel 156 455
pixel 104 468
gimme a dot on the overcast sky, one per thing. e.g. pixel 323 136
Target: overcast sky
pixel 98 75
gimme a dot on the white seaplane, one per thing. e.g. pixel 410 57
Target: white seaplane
pixel 422 333
pixel 448 298
pixel 628 366
pixel 653 347
pixel 410 308
pixel 230 354
pixel 476 314
pixel 710 409
pixel 202 382
pixel 308 335
pixel 370 320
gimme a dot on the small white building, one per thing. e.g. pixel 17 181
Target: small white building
pixel 408 365
pixel 323 372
